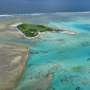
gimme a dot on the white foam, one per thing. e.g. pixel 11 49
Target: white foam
pixel 5 15
pixel 36 14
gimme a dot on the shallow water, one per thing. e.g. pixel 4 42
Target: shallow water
pixel 62 57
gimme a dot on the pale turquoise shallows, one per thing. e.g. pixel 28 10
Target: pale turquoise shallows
pixel 58 61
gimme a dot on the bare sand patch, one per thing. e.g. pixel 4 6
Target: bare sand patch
pixel 12 63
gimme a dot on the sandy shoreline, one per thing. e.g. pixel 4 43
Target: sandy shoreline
pixel 13 59
pixel 21 33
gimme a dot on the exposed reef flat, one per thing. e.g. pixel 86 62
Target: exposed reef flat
pixel 8 32
pixel 12 63
pixel 12 57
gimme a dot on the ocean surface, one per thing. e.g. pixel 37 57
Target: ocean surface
pixel 43 6
pixel 57 61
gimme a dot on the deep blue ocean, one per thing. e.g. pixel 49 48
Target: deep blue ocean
pixel 43 6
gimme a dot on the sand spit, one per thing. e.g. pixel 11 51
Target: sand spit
pixel 12 63
pixel 9 31
pixel 12 58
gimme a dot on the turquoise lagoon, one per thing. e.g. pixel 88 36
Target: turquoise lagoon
pixel 57 61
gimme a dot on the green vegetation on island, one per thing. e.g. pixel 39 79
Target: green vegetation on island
pixel 32 30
